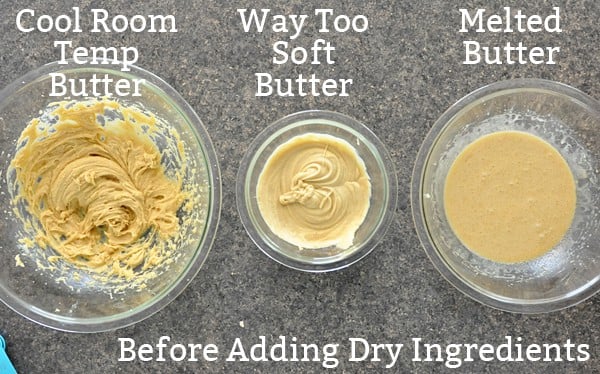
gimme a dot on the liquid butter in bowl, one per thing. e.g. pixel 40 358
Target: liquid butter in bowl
pixel 110 203
pixel 506 195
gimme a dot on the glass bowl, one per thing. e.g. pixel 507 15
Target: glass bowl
pixel 61 296
pixel 567 119
pixel 378 166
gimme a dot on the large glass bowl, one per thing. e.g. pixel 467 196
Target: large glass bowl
pixel 379 166
pixel 72 299
pixel 562 116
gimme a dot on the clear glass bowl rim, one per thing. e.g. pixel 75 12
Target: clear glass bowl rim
pixel 279 126
pixel 145 310
pixel 416 196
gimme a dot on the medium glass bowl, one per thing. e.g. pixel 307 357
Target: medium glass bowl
pixel 562 116
pixel 72 300
pixel 379 167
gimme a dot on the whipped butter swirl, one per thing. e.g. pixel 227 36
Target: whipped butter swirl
pixel 314 192
pixel 94 187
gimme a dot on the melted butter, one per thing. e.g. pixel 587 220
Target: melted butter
pixel 314 192
pixel 510 197
pixel 94 187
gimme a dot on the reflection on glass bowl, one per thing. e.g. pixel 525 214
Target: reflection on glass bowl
pixel 565 118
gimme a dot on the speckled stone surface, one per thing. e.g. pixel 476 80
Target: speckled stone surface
pixel 407 70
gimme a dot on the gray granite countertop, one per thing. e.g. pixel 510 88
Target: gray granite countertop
pixel 407 70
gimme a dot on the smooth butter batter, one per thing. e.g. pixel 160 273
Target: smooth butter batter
pixel 510 197
pixel 92 178
pixel 314 192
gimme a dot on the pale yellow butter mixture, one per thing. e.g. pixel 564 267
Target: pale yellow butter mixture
pixel 510 197
pixel 314 192
pixel 97 192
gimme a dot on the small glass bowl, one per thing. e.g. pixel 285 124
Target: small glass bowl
pixel 378 164
pixel 77 303
pixel 562 116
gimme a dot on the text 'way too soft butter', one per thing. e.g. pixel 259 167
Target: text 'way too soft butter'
pixel 321 51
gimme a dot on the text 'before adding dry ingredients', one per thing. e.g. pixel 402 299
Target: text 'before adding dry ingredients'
pixel 284 350
pixel 509 21
pixel 319 51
